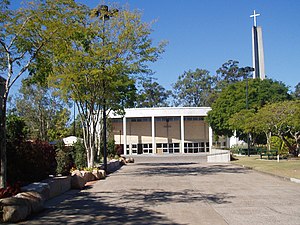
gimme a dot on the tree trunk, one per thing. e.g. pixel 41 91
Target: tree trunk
pixel 3 100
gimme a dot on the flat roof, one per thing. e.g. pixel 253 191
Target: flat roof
pixel 163 112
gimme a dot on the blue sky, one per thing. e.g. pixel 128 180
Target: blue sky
pixel 206 33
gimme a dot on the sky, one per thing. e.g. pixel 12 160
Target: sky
pixel 205 34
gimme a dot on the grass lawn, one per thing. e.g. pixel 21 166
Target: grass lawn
pixel 283 168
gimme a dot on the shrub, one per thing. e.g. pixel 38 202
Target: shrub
pixel 64 159
pixel 79 155
pixel 29 161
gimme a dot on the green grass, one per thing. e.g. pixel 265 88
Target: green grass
pixel 283 168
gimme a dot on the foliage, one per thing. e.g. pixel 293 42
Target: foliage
pixel 29 161
pixel 93 65
pixel 151 94
pixel 229 73
pixel 282 119
pixel 79 155
pixel 10 190
pixel 43 111
pixel 64 159
pixel 28 36
pixel 233 99
pixel 278 144
pixel 296 93
pixel 193 88
pixel 16 128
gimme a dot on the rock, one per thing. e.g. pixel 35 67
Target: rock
pixel 122 161
pixel 15 209
pixel 77 181
pixel 130 160
pixel 99 174
pixel 35 199
pixel 87 176
pixel 42 188
pixel 58 185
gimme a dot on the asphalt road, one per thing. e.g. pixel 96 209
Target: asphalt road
pixel 178 190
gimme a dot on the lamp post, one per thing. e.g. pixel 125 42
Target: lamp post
pixel 105 15
pixel 247 70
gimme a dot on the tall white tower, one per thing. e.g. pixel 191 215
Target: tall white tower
pixel 257 50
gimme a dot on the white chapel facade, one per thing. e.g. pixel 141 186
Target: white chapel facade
pixel 165 130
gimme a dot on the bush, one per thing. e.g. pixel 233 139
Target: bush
pixel 64 159
pixel 29 161
pixel 79 155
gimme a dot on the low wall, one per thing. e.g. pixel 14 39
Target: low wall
pixel 218 156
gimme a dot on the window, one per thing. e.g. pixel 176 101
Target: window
pixel 196 147
pixel 147 148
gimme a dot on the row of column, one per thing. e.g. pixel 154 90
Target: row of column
pixel 153 135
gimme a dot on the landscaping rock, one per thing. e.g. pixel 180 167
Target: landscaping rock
pixel 130 160
pixel 77 181
pixel 99 174
pixel 122 161
pixel 15 209
pixel 35 199
pixel 87 176
pixel 58 185
pixel 39 187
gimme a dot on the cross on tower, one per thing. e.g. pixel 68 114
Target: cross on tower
pixel 254 17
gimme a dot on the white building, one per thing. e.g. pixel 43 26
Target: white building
pixel 164 130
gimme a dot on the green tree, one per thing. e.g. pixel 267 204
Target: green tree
pixel 152 94
pixel 28 35
pixel 296 93
pixel 233 99
pixel 282 119
pixel 229 73
pixel 43 111
pixel 193 88
pixel 94 67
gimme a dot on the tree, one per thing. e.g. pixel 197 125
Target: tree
pixel 193 88
pixel 297 91
pixel 233 99
pixel 28 35
pixel 43 111
pixel 282 119
pixel 151 94
pixel 94 67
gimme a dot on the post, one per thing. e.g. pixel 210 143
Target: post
pixel 2 133
pixel 247 107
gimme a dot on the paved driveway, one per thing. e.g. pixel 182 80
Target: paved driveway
pixel 178 190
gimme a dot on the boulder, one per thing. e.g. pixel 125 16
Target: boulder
pixel 98 174
pixel 15 209
pixel 35 200
pixel 41 188
pixel 122 161
pixel 130 160
pixel 77 181
pixel 58 185
pixel 87 176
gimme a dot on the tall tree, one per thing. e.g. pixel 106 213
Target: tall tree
pixel 43 111
pixel 94 68
pixel 26 36
pixel 297 91
pixel 152 94
pixel 233 99
pixel 193 88
pixel 229 73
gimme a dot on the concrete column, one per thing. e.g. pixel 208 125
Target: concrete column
pixel 153 135
pixel 182 134
pixel 125 135
pixel 210 138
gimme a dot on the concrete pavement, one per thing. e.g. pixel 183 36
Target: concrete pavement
pixel 178 190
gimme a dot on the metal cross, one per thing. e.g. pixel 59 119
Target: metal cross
pixel 254 17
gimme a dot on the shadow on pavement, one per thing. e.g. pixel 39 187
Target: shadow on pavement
pixel 157 197
pixel 186 169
